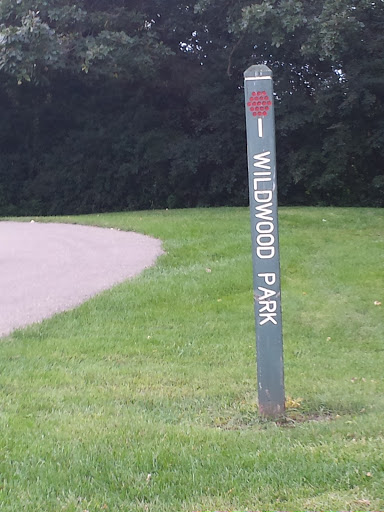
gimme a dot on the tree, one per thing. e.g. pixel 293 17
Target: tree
pixel 120 104
pixel 327 62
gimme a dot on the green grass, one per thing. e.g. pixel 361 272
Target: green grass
pixel 157 377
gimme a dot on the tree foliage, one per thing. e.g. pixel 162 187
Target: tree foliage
pixel 122 104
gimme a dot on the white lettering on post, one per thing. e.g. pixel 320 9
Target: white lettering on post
pixel 263 194
pixel 265 236
pixel 262 160
pixel 268 307
pixel 269 277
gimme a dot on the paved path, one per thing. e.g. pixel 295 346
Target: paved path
pixel 49 268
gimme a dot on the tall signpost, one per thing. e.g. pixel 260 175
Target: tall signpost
pixel 260 122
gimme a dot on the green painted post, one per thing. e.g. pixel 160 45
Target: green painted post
pixel 260 122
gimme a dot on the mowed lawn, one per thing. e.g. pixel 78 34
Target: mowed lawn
pixel 145 397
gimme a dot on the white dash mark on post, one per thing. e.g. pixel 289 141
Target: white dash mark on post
pixel 260 126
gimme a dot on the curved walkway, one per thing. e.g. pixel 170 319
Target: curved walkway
pixel 49 268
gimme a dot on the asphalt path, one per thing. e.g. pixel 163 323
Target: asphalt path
pixel 49 268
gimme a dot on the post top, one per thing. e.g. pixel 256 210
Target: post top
pixel 258 70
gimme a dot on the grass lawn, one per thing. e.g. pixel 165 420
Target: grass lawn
pixel 144 398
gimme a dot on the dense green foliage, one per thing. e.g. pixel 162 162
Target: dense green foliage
pixel 117 104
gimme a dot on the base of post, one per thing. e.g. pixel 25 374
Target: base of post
pixel 271 410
